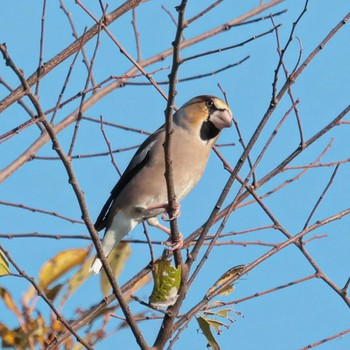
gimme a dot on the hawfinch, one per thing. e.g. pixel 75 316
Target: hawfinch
pixel 141 193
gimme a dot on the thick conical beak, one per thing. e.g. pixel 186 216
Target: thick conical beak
pixel 221 118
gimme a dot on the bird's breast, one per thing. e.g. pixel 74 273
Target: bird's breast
pixel 148 187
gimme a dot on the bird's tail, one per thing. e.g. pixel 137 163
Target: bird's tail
pixel 110 239
pixel 121 226
pixel 96 266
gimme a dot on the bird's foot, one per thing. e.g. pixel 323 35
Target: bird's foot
pixel 172 245
pixel 177 244
pixel 172 215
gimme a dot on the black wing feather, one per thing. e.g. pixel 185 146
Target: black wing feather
pixel 139 160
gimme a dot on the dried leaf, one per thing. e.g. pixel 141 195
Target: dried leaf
pixel 38 330
pixel 14 339
pixel 205 328
pixel 59 265
pixel 216 324
pixel 56 325
pixel 9 302
pixel 225 277
pixel 79 278
pixel 167 281
pixel 56 267
pixel 117 258
pixel 222 313
pixel 52 293
pixel 4 265
pixel 138 285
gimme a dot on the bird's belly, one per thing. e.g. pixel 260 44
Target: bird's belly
pixel 147 191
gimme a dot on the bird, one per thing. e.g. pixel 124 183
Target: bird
pixel 141 192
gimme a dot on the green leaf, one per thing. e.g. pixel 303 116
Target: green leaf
pixel 167 281
pixel 4 265
pixel 205 328
pixel 223 279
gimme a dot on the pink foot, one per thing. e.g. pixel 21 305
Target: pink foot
pixel 165 206
pixel 178 244
pixel 174 215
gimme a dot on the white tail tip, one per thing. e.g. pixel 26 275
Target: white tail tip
pixel 96 266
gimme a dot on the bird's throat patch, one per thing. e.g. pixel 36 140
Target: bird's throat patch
pixel 208 131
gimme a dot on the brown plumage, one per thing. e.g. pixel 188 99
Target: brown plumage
pixel 140 194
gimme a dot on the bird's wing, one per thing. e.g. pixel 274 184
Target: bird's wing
pixel 139 160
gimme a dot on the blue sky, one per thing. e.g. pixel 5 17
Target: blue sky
pixel 287 319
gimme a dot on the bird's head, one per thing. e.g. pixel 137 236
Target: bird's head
pixel 204 115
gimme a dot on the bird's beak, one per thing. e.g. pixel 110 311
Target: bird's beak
pixel 221 118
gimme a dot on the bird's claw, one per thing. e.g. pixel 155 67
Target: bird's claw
pixel 172 216
pixel 178 244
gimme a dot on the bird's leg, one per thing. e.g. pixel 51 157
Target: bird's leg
pixel 154 222
pixel 169 243
pixel 174 215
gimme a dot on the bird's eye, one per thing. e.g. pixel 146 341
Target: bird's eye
pixel 209 103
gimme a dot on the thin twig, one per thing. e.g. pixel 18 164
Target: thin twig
pixel 110 152
pixel 240 137
pixel 137 35
pixel 222 49
pixel 322 196
pixel 92 155
pixel 70 50
pixel 205 11
pixel 19 92
pixel 265 292
pixel 65 84
pixel 166 330
pixel 76 36
pixel 124 51
pixel 259 260
pixel 81 200
pixel 320 342
pixel 290 93
pixel 149 242
pixel 193 77
pixel 37 210
pixel 77 123
pixel 41 49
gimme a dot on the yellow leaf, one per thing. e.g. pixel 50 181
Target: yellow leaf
pixel 224 278
pixel 14 339
pixel 216 324
pixel 38 330
pixel 117 258
pixel 139 284
pixel 56 325
pixel 79 278
pixel 59 265
pixel 205 328
pixel 52 293
pixel 56 267
pixel 222 313
pixel 9 302
pixel 4 265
